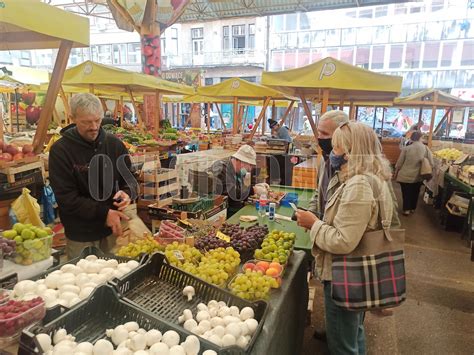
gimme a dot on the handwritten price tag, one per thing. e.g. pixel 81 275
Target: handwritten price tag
pixel 222 236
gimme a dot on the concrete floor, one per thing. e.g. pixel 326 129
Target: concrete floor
pixel 438 315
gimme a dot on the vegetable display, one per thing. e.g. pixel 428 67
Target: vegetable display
pixel 220 324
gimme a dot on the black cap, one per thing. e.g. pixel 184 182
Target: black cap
pixel 272 123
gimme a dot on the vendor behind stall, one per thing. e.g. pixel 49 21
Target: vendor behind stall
pixel 233 177
pixel 280 132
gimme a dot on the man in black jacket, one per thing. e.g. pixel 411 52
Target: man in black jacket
pixel 90 175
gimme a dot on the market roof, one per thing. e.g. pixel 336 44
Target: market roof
pixel 8 84
pixel 200 10
pixel 346 82
pixel 428 98
pixel 111 79
pixel 27 24
pixel 242 89
pixel 217 100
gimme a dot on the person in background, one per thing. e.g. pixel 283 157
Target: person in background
pixel 233 177
pixel 307 130
pixel 108 119
pixel 351 211
pixel 407 171
pixel 279 132
pixel 405 140
pixel 90 208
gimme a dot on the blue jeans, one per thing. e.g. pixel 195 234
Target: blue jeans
pixel 344 329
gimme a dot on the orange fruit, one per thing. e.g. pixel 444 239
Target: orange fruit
pixel 263 264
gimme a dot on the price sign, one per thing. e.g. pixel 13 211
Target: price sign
pixel 178 255
pixel 222 236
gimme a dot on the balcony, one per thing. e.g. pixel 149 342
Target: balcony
pixel 236 57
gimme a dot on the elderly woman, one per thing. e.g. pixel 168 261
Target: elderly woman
pixel 407 171
pixel 351 211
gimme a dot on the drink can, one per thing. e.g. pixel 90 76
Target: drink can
pixel 271 211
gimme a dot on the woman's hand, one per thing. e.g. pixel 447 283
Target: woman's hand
pixel 305 219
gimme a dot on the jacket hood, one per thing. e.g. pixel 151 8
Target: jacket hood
pixel 70 132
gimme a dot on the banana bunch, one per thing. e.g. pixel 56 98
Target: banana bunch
pixel 448 154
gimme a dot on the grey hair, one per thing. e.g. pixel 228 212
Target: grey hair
pixel 86 103
pixel 337 116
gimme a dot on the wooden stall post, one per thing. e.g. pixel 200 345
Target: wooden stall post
pixel 285 115
pixel 420 117
pixel 158 113
pixel 135 108
pixel 324 104
pixel 208 118
pixel 1 123
pixel 51 95
pixel 178 116
pixel 308 114
pixel 241 117
pixel 433 116
pixel 221 117
pixel 260 117
pixel 235 119
pixel 274 113
pixel 351 110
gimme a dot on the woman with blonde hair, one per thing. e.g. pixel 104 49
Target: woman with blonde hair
pixel 350 212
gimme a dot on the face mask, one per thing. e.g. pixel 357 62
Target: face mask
pixel 337 161
pixel 326 145
pixel 243 172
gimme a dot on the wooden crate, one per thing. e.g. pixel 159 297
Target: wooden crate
pixel 12 171
pixel 305 174
pixel 159 186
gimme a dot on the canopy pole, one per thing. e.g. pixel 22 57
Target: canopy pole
pixel 1 123
pixel 51 95
pixel 324 105
pixel 135 108
pixel 189 117
pixel 351 111
pixel 433 116
pixel 208 118
pixel 158 113
pixel 292 118
pixel 178 106
pixel 308 114
pixel 341 104
pixel 235 114
pixel 241 117
pixel 104 104
pixel 65 101
pixel 221 117
pixel 17 112
pixel 285 115
pixel 259 119
pixel 274 113
pixel 122 119
pixel 375 117
pixel 445 117
pixel 450 120
pixel 116 109
pixel 420 117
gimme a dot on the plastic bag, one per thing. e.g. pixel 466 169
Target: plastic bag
pixel 48 200
pixel 134 229
pixel 27 209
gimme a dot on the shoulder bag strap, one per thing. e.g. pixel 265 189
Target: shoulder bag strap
pixel 385 221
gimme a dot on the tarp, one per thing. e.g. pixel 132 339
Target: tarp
pixel 426 98
pixel 242 89
pixel 30 24
pixel 218 100
pixel 106 78
pixel 344 81
pixel 27 75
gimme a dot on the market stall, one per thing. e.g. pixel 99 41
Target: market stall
pixel 330 80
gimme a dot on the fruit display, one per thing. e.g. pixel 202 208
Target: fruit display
pixel 135 138
pixel 170 133
pixel 276 246
pixel 252 285
pixel 7 246
pixel 33 244
pixel 273 269
pixel 449 154
pixel 73 283
pixel 220 324
pixel 246 240
pixel 209 242
pixel 10 152
pixel 180 254
pixel 146 245
pixel 16 315
pixel 169 233
pixel 125 339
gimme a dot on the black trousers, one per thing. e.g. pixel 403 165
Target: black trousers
pixel 410 193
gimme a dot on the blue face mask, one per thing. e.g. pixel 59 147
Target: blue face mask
pixel 243 172
pixel 337 161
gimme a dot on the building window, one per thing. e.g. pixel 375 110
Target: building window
pixel 225 38
pixel 304 21
pixel 291 22
pixel 277 60
pixel 105 54
pixel 119 55
pixel 430 55
pixel 400 9
pixel 451 30
pixel 197 37
pixel 333 37
pixel 396 52
pixel 278 23
pixel 318 39
pixel 173 48
pixel 412 56
pixel 134 54
pixel 437 5
pixel 447 53
pixel 5 57
pixel 366 13
pixel 362 57
pixel 434 30
pixel 381 11
pixel 304 39
pixel 381 34
pixel 348 36
pixel 25 58
pixel 347 55
pixel 364 35
pixel 378 55
pixel 467 58
pixel 208 81
pixel 251 36
pixel 398 33
pixel 238 39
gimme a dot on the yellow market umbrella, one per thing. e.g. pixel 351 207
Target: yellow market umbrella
pixel 27 24
pixel 330 80
pixel 8 84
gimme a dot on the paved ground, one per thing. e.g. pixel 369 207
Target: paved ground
pixel 438 316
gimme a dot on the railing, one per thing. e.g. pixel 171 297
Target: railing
pixel 230 57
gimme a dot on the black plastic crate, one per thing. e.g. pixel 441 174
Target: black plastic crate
pixel 54 312
pixel 88 322
pixel 157 287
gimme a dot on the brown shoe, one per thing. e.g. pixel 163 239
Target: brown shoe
pixel 385 312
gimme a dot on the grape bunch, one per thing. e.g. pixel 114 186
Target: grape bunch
pixel 179 254
pixel 8 246
pixel 217 265
pixel 147 245
pixel 209 242
pixel 253 285
pixel 249 239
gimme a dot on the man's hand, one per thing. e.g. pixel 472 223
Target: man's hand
pixel 305 219
pixel 113 221
pixel 124 200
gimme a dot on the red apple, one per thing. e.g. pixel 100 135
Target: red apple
pixel 33 114
pixel 6 157
pixel 29 154
pixel 28 98
pixel 18 156
pixel 27 148
pixel 11 150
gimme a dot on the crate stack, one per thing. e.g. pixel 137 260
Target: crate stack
pixel 158 186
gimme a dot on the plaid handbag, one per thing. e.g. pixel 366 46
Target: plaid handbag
pixel 373 275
